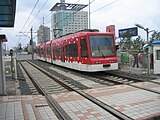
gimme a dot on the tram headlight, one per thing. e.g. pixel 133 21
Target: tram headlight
pixel 98 62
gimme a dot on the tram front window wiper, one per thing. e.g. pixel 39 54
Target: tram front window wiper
pixel 101 52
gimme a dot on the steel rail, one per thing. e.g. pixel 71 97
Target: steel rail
pixel 106 107
pixel 129 84
pixel 53 103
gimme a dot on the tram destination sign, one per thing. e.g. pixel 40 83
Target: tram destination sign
pixel 128 31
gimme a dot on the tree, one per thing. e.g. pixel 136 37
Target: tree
pixel 137 44
pixel 25 49
pixel 19 48
pixel 125 42
pixel 155 36
pixel 133 46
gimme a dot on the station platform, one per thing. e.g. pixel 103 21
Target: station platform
pixel 25 107
pixel 136 103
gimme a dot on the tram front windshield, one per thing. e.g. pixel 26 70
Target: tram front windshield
pixel 101 46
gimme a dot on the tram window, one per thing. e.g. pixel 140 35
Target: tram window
pixel 42 52
pixel 84 50
pixel 158 54
pixel 75 50
pixel 58 52
pixel 48 51
pixel 53 55
pixel 38 50
pixel 101 46
pixel 67 50
pixel 72 50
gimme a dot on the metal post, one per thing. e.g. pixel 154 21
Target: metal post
pixel 15 67
pixel 148 55
pixel 2 74
pixel 149 66
pixel 32 45
pixel 12 63
pixel 89 18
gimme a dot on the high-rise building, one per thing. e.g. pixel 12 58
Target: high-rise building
pixel 43 34
pixel 67 18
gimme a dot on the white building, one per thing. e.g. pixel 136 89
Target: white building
pixel 43 34
pixel 67 18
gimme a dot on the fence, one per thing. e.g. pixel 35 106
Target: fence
pixel 139 59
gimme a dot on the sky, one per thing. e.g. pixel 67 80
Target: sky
pixel 121 13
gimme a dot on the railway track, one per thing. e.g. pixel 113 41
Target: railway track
pixel 103 79
pixel 80 91
pixel 63 115
pixel 49 85
pixel 42 82
pixel 137 83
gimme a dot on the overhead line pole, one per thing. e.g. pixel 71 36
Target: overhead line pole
pixel 89 15
pixel 148 54
pixel 32 45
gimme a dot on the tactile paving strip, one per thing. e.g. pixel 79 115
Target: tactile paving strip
pixel 135 103
pixel 79 108
pixel 148 85
pixel 30 107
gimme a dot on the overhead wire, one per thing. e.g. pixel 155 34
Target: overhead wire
pixel 39 23
pixel 47 15
pixel 104 6
pixel 29 15
pixel 38 12
pixel 91 12
pixel 51 19
pixel 76 12
pixel 71 14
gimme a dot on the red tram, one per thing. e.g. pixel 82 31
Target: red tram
pixel 83 51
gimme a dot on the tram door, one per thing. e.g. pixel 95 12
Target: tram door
pixel 84 49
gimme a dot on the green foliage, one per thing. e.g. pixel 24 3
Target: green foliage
pixel 127 43
pixel 25 49
pixel 137 44
pixel 155 36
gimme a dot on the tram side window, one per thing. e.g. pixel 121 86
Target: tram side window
pixel 84 50
pixel 58 51
pixel 72 50
pixel 75 50
pixel 158 54
pixel 38 50
pixel 42 52
pixel 53 54
pixel 48 51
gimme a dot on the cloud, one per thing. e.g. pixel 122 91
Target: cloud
pixel 123 14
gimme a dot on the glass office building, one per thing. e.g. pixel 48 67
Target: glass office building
pixel 68 18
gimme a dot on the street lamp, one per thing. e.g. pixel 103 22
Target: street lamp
pixel 147 31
